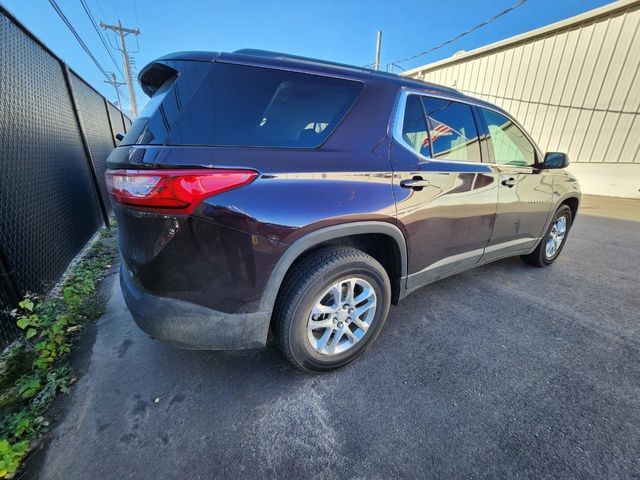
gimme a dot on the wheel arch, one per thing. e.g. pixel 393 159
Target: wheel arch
pixel 572 201
pixel 329 236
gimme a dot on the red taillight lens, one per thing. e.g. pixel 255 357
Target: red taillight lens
pixel 178 191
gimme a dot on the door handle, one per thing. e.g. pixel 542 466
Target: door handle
pixel 510 182
pixel 415 182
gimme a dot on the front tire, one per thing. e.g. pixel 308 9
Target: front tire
pixel 553 241
pixel 331 308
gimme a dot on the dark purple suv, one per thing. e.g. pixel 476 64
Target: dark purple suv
pixel 264 192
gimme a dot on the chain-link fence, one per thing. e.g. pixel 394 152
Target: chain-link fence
pixel 55 134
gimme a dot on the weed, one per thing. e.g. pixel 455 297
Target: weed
pixel 33 370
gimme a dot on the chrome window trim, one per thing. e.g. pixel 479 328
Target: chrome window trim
pixel 397 120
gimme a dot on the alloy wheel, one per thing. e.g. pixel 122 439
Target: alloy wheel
pixel 341 316
pixel 556 236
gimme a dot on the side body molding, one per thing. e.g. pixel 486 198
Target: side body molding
pixel 333 232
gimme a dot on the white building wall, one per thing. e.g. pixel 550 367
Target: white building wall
pixel 574 85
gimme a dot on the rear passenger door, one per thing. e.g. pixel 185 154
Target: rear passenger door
pixel 446 197
pixel 525 193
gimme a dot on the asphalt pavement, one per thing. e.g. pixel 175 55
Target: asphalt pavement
pixel 506 371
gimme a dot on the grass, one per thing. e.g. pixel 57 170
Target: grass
pixel 34 369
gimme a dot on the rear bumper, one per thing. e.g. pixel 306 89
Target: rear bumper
pixel 187 325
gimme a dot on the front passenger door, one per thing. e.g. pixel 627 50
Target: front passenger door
pixel 525 193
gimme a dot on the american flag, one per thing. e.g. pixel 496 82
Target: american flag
pixel 440 130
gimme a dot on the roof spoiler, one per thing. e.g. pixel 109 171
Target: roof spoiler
pixel 153 76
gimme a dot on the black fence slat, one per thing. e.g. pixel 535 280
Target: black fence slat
pixel 51 170
pixel 108 117
pixel 116 121
pixel 95 126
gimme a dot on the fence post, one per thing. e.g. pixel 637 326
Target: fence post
pixel 106 109
pixel 85 143
pixel 124 124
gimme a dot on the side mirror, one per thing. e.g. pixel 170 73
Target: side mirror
pixel 119 136
pixel 555 160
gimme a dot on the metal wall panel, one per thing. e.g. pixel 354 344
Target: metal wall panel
pixel 574 85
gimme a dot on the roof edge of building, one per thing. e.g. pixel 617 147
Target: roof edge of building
pixel 565 24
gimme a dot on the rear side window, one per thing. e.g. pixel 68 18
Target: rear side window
pixel 510 145
pixel 238 105
pixel 141 130
pixel 454 135
pixel 154 123
pixel 414 127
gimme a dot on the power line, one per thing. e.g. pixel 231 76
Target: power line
pixel 112 80
pixel 115 84
pixel 101 10
pixel 135 10
pixel 99 32
pixel 78 38
pixel 126 59
pixel 84 46
pixel 115 9
pixel 471 30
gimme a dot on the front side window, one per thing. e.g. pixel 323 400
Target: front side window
pixel 510 145
pixel 238 105
pixel 452 130
pixel 414 127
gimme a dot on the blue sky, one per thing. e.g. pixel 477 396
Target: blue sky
pixel 342 31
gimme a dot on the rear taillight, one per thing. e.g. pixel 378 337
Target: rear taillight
pixel 172 191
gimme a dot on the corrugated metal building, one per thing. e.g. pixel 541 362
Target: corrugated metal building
pixel 575 87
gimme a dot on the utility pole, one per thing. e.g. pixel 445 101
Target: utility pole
pixel 115 83
pixel 126 61
pixel 376 64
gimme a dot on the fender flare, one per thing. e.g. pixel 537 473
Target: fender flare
pixel 308 241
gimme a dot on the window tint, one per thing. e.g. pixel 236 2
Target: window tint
pixel 453 130
pixel 414 127
pixel 250 106
pixel 510 146
pixel 141 131
pixel 154 123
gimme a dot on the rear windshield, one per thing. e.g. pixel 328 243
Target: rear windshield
pixel 237 105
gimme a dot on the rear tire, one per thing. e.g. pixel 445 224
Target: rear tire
pixel 331 308
pixel 553 240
